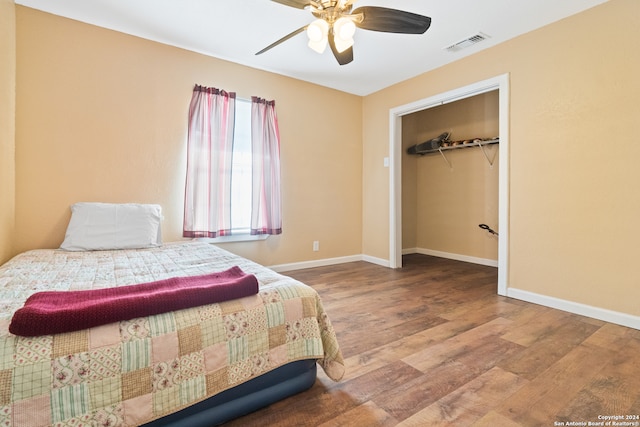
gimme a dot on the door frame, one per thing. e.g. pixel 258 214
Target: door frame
pixel 500 83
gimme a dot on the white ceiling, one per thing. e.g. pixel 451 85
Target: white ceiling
pixel 235 30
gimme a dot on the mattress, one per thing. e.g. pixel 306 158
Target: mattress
pixel 137 370
pixel 247 397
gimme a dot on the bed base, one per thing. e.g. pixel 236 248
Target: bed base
pixel 245 398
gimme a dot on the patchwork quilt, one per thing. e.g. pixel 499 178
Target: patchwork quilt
pixel 133 371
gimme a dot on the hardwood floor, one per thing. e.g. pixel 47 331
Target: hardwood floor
pixel 433 344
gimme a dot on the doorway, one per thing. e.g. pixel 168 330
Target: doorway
pixel 499 83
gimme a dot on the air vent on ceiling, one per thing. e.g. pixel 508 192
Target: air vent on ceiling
pixel 469 41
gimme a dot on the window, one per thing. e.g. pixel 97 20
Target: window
pixel 232 189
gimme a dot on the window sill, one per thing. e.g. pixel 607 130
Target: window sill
pixel 233 238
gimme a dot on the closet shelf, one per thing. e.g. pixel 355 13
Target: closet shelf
pixel 479 143
pixel 474 143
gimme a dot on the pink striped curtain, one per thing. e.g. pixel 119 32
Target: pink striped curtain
pixel 207 202
pixel 266 207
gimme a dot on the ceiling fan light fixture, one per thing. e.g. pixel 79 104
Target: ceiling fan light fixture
pixel 343 31
pixel 317 32
pixel 318 46
pixel 342 45
pixel 344 28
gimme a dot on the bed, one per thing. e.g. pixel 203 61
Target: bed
pixel 199 365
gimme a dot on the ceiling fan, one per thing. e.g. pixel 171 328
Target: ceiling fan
pixel 336 24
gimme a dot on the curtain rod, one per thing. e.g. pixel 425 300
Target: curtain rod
pixel 238 98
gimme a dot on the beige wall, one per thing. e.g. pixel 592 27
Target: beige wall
pixel 574 202
pixel 7 127
pixel 443 203
pixel 101 116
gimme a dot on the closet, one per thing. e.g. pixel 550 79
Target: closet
pixel 447 193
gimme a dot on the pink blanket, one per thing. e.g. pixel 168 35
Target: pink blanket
pixel 53 312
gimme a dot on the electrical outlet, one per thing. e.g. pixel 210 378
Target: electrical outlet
pixel 316 246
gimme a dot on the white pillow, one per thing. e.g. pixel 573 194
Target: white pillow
pixel 105 226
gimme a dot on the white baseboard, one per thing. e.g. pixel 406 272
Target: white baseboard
pixel 329 261
pixel 315 263
pixel 375 260
pixel 457 257
pixel 576 308
pixel 379 261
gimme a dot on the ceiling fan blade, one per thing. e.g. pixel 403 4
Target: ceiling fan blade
pixel 298 4
pixel 284 39
pixel 343 57
pixel 391 20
